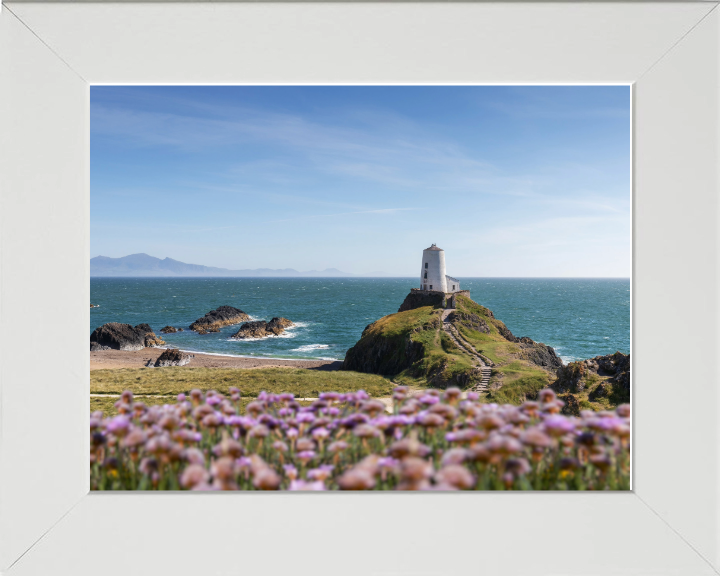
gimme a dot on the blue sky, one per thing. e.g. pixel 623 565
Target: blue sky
pixel 509 181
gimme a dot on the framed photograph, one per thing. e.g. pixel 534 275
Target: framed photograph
pixel 484 452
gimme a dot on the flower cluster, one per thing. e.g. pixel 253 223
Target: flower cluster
pixel 435 440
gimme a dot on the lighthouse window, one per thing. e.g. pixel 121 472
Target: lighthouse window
pixel 425 274
pixel 453 286
pixel 430 286
pixel 425 265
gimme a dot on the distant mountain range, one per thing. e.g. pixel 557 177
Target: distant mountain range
pixel 145 265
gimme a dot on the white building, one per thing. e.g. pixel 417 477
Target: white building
pixel 432 274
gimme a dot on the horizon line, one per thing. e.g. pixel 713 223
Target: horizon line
pixel 357 276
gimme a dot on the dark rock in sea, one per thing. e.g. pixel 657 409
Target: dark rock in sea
pixel 278 325
pixel 222 316
pixel 94 305
pixel 144 327
pixel 172 357
pixel 261 329
pixel 116 336
pixel 169 330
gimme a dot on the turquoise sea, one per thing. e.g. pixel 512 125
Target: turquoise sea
pixel 580 318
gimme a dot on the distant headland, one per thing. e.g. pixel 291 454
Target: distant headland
pixel 150 266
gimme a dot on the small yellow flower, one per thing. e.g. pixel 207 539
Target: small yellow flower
pixel 113 473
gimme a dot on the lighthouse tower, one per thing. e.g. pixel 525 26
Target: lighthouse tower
pixel 432 274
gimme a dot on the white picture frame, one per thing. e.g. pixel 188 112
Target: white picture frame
pixel 50 53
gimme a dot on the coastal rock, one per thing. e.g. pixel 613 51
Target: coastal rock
pixel 262 329
pixel 278 325
pixel 570 378
pixel 539 354
pixel 215 319
pixel 169 330
pixel 116 336
pixel 505 332
pixel 613 371
pixel 153 341
pixel 616 365
pixel 144 327
pixel 150 338
pixel 172 357
pixel 94 305
pixel 375 353
pixel 536 352
pixel 608 365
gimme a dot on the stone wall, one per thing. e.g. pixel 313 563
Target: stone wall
pixel 418 298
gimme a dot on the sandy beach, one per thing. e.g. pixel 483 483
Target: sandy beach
pixel 113 359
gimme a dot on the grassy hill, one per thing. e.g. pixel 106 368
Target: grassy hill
pixel 415 348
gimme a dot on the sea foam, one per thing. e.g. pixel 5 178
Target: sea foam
pixel 309 347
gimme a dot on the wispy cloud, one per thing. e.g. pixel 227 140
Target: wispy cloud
pixel 383 211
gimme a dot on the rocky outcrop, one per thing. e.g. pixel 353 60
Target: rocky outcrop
pixel 612 369
pixel 172 357
pixel 375 353
pixel 116 336
pixel 539 354
pixel 153 341
pixel 505 332
pixel 262 329
pixel 616 366
pixel 94 305
pixel 536 352
pixel 570 378
pixel 170 330
pixel 215 319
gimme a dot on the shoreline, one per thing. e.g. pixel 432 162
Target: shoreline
pixel 118 359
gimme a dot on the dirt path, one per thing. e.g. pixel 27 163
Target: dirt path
pixel 463 344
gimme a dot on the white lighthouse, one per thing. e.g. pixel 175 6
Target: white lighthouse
pixel 432 273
